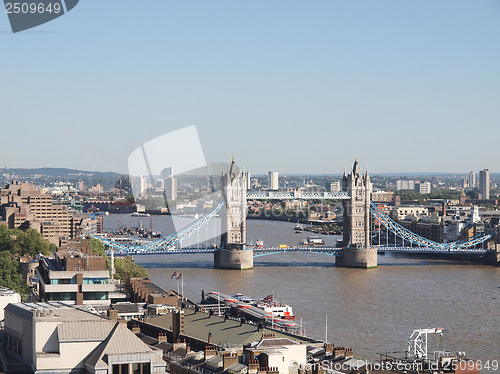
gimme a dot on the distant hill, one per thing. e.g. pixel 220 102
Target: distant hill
pixel 59 172
pixel 107 179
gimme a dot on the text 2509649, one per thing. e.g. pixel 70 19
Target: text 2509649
pixel 32 8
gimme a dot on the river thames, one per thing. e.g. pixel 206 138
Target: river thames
pixel 372 311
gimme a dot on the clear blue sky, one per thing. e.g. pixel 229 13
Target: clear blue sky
pixel 297 87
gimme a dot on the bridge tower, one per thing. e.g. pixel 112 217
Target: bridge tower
pixel 357 252
pixel 232 253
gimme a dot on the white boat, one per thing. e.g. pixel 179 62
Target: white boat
pixel 137 214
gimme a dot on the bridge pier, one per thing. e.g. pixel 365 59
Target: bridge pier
pixel 361 258
pixel 233 259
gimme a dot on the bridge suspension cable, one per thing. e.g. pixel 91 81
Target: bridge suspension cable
pixel 405 234
pixel 167 242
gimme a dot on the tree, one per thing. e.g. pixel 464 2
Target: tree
pixel 126 268
pixel 11 274
pixel 98 247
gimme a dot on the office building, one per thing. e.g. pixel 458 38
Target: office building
pixel 74 278
pixel 484 184
pixel 23 206
pixel 273 180
pixel 56 338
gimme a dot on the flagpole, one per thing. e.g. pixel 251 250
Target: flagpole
pixel 182 288
pixel 177 292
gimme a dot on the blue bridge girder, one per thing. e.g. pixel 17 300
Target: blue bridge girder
pixel 332 251
pixel 461 246
pixel 417 243
pixel 165 244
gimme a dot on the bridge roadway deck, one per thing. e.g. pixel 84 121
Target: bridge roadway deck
pixel 262 251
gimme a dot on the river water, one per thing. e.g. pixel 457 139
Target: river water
pixel 373 311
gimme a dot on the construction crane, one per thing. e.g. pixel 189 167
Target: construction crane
pixel 417 344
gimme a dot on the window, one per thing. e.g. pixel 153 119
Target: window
pixel 120 369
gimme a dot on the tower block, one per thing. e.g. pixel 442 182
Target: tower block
pixel 232 253
pixel 357 252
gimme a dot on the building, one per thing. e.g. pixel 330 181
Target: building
pixel 74 278
pixel 6 297
pixel 56 338
pixel 401 212
pixel 23 206
pixel 249 181
pixel 471 180
pixel 274 180
pixel 484 184
pixel 334 186
pixel 423 187
pixel 403 184
pixel 382 197
pixel 281 353
pixel 171 188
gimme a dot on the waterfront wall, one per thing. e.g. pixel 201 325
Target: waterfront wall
pixel 233 259
pixel 357 258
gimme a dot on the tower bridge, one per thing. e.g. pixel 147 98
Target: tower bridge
pixel 355 251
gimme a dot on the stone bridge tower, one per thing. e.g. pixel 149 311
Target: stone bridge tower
pixel 356 241
pixel 232 253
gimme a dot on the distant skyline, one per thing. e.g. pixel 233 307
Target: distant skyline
pixel 295 87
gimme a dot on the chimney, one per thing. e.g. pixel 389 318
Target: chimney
pixel 273 370
pixel 329 347
pixel 162 337
pixel 136 329
pixel 349 353
pixel 113 314
pixel 253 366
pixel 229 359
pixel 268 336
pixel 179 344
pixel 210 352
pixel 177 323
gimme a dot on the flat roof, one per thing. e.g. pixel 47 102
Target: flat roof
pixel 199 324
pixel 52 311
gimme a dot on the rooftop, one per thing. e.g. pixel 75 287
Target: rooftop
pixel 52 311
pixel 198 325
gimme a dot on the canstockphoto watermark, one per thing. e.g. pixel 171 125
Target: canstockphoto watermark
pixel 404 366
pixel 26 14
pixel 170 172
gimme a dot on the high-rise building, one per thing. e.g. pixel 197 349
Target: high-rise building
pixel 167 172
pixel 471 179
pixel 484 184
pixel 274 180
pixel 249 182
pixel 423 187
pixel 403 184
pixel 171 188
pixel 333 186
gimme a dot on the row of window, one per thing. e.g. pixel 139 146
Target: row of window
pixel 85 281
pixel 137 368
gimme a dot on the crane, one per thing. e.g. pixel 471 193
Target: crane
pixel 417 344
